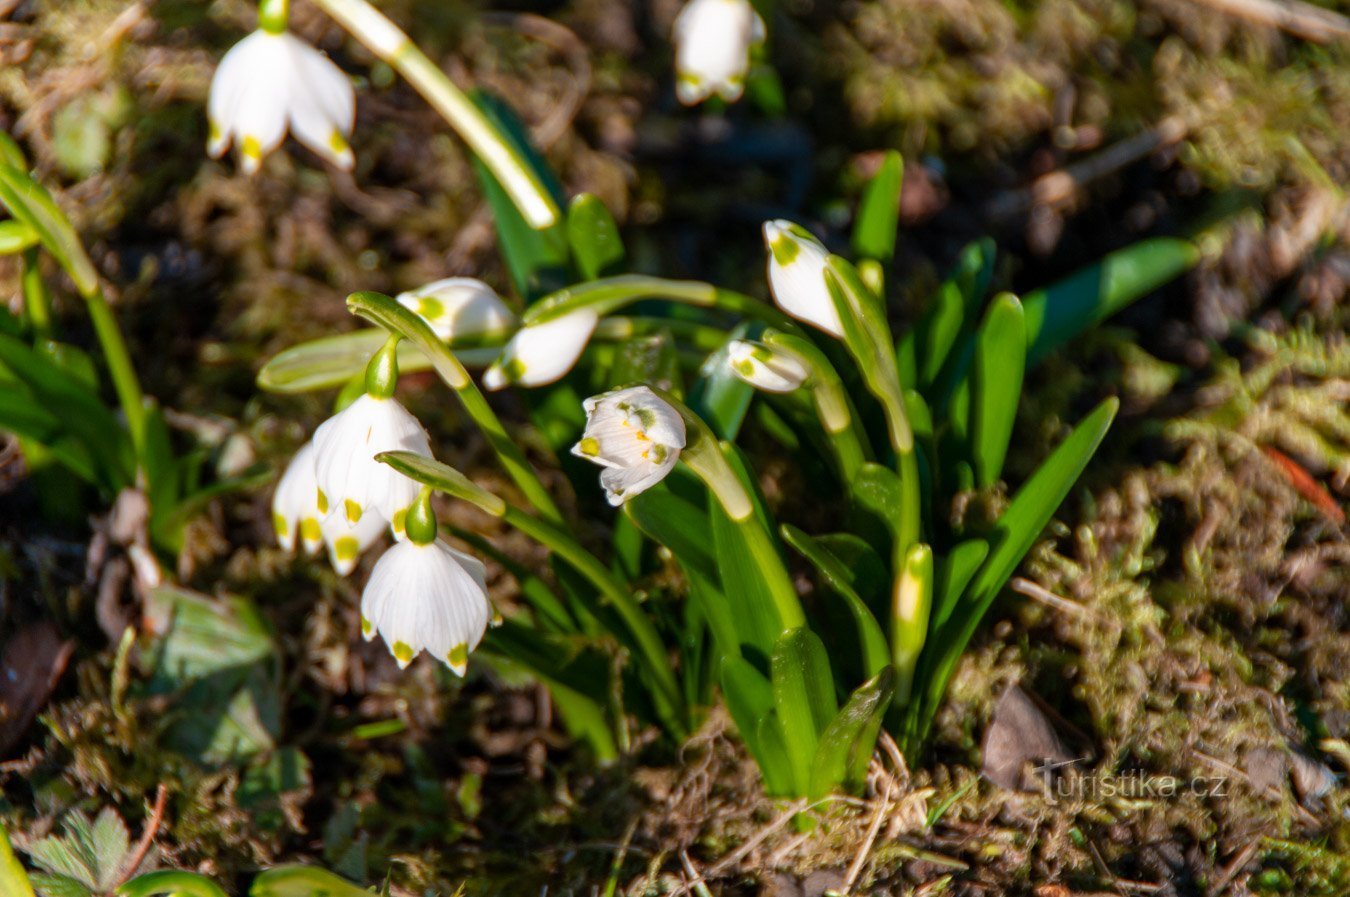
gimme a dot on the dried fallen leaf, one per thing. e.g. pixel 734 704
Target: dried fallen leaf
pixel 31 663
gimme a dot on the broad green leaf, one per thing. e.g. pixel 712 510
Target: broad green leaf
pixel 871 641
pixel 29 202
pixel 803 695
pixel 109 843
pixel 877 492
pixel 775 759
pixel 1000 357
pixel 867 572
pixel 13 880
pixel 303 881
pixel 170 883
pixel 925 349
pixel 678 525
pixel 951 576
pixel 847 742
pixel 536 259
pixel 593 236
pixel 748 696
pixel 444 478
pixel 335 360
pixel 1060 312
pixel 874 232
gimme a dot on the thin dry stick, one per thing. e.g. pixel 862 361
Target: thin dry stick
pixel 756 839
pixel 855 868
pixel 698 885
pixel 1321 26
pixel 148 834
pixel 1038 592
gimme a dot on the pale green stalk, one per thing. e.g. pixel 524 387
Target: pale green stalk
pixel 831 402
pixel 273 15
pixel 37 298
pixel 911 602
pixel 387 41
pixel 120 368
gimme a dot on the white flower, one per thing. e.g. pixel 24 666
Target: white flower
pixel 541 353
pixel 269 81
pixel 459 307
pixel 635 435
pixel 427 597
pixel 350 481
pixel 346 540
pixel 797 276
pixel 712 49
pixel 764 368
pixel 295 503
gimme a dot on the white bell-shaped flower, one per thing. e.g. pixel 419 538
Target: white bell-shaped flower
pixel 635 435
pixel 459 308
pixel 270 81
pixel 542 353
pixel 295 504
pixel 427 597
pixel 347 540
pixel 797 276
pixel 712 49
pixel 771 370
pixel 350 481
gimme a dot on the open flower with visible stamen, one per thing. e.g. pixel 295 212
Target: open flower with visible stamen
pixel 772 370
pixel 459 307
pixel 295 503
pixel 350 481
pixel 272 80
pixel 427 597
pixel 712 49
pixel 797 263
pixel 635 435
pixel 542 353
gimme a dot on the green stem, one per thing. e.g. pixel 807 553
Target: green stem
pixel 387 41
pixel 273 15
pixel 831 402
pixel 36 297
pixel 123 373
pixel 389 314
pixel 609 294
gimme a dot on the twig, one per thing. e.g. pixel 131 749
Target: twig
pixel 756 839
pixel 147 834
pixel 698 885
pixel 855 868
pixel 1300 19
pixel 1038 592
pixel 1234 866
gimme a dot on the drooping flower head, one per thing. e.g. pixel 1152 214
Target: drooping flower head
pixel 797 263
pixel 635 435
pixel 272 80
pixel 350 481
pixel 542 353
pixel 712 49
pixel 346 540
pixel 772 370
pixel 459 307
pixel 427 597
pixel 295 503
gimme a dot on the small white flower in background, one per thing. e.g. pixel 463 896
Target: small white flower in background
pixel 269 81
pixel 459 307
pixel 295 504
pixel 350 482
pixel 764 368
pixel 712 49
pixel 635 435
pixel 346 540
pixel 427 597
pixel 542 353
pixel 797 276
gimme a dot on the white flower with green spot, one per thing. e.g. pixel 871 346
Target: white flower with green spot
pixel 635 435
pixel 351 483
pixel 271 81
pixel 427 597
pixel 542 353
pixel 712 49
pixel 459 308
pixel 797 263
pixel 295 504
pixel 771 370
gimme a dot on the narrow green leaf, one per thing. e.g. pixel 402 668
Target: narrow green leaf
pixel 871 641
pixel 678 525
pixel 171 883
pixel 1060 312
pixel 593 236
pixel 925 349
pixel 1000 357
pixel 443 477
pixel 333 361
pixel 11 154
pixel 25 416
pixel 803 694
pixel 29 202
pixel 847 742
pixel 775 759
pixel 16 236
pixel 874 232
pixel 953 573
pixel 748 696
pixel 303 881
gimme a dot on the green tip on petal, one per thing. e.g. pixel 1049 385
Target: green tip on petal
pixel 353 509
pixel 459 658
pixel 322 501
pixel 367 628
pixel 514 370
pixel 346 548
pixel 590 446
pixel 430 307
pixel 309 530
pixel 281 525
pixel 400 521
pixel 744 367
pixel 785 250
pixel 403 653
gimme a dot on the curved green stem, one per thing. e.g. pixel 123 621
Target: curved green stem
pixel 120 368
pixel 832 404
pixel 389 314
pixel 37 299
pixel 387 41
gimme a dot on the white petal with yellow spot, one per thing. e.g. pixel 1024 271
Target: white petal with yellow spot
pixel 635 435
pixel 459 307
pixel 295 503
pixel 542 353
pixel 797 276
